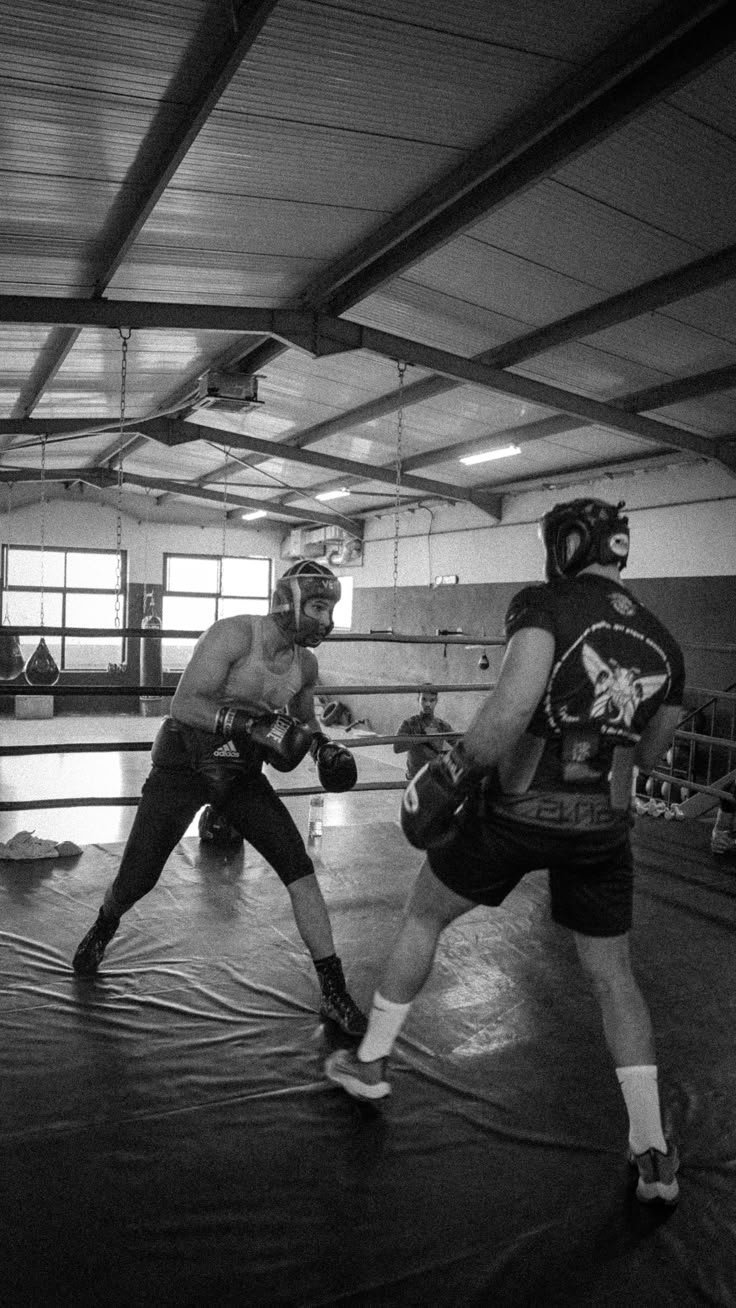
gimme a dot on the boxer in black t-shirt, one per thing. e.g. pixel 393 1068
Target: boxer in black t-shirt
pixel 591 686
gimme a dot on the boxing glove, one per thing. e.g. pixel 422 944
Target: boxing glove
pixel 283 740
pixel 434 797
pixel 336 767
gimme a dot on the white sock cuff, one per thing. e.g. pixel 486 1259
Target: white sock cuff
pixel 384 1023
pixel 639 1072
pixel 383 1005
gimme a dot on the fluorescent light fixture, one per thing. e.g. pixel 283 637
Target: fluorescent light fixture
pixel 332 495
pixel 254 513
pixel 503 452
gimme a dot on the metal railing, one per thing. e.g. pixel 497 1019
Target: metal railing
pixel 700 765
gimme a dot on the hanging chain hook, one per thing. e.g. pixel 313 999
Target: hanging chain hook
pixel 145 541
pixel 9 493
pixel 119 516
pixel 224 515
pixel 401 366
pixel 43 521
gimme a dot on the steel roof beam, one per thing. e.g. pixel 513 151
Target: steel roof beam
pixel 214 56
pixel 176 433
pixel 324 334
pixel 666 49
pixel 693 278
pixel 526 388
pixel 680 389
pixel 105 479
pixel 328 334
pixel 653 397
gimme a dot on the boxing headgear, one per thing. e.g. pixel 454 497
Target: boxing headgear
pixel 582 532
pixel 303 581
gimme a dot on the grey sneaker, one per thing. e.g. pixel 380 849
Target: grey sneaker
pixel 91 949
pixel 363 1081
pixel 657 1179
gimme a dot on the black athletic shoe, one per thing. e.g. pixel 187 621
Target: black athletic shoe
pixel 336 1002
pixel 343 1010
pixel 91 949
pixel 657 1179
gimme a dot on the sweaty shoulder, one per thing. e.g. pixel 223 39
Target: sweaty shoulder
pixel 531 607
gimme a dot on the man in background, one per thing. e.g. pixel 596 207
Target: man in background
pixel 427 728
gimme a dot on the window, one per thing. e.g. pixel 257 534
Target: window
pixel 343 615
pixel 200 588
pixel 75 588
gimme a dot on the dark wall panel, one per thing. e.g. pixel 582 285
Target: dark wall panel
pixel 700 611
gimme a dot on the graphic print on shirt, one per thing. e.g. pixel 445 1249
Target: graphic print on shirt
pixel 618 691
pixel 595 692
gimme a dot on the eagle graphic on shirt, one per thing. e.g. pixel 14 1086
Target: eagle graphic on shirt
pixel 618 691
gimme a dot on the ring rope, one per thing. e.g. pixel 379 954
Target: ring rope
pixel 337 637
pixel 356 742
pixel 385 637
pixel 120 746
pixel 165 692
pixel 127 801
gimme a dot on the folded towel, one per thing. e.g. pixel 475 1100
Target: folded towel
pixel 26 845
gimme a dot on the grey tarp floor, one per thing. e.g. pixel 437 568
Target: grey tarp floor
pixel 167 1136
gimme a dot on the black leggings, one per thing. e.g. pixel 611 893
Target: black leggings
pixel 186 775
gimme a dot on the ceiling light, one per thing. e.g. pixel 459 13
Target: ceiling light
pixel 254 513
pixel 332 495
pixel 503 452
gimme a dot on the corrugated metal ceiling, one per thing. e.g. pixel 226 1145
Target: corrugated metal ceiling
pixel 459 178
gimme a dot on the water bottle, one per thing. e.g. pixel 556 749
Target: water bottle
pixel 316 819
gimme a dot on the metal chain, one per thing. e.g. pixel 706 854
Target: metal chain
pixel 399 438
pixel 9 492
pixel 43 520
pixel 224 516
pixel 145 543
pixel 119 518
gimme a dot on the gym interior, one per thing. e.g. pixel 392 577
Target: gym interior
pixel 377 288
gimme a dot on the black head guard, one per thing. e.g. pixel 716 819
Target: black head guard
pixel 303 581
pixel 582 532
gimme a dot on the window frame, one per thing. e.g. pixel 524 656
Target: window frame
pixel 65 590
pixel 215 595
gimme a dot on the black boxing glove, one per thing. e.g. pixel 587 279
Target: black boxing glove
pixel 434 797
pixel 336 767
pixel 283 740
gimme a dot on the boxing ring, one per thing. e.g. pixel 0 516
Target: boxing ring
pixel 168 1137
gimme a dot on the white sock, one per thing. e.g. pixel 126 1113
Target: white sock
pixel 641 1096
pixel 384 1023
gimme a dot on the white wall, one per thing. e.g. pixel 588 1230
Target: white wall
pixel 91 525
pixel 683 524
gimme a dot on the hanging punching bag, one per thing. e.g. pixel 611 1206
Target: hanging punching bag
pixel 11 656
pixel 150 665
pixel 41 668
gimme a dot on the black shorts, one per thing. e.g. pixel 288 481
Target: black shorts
pixel 591 875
